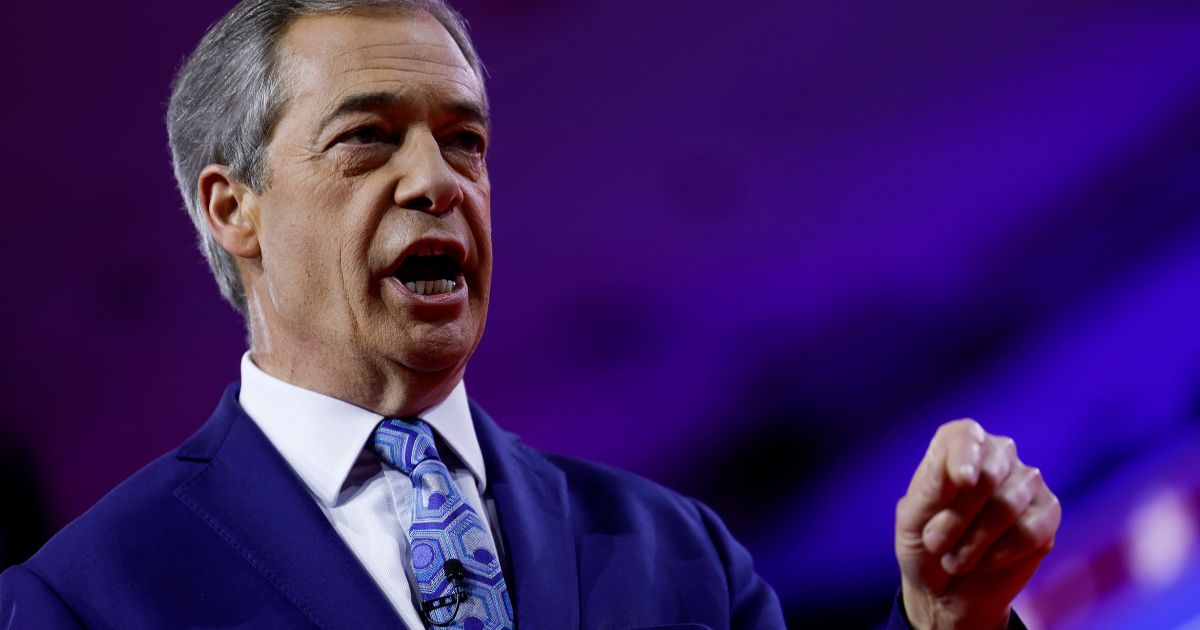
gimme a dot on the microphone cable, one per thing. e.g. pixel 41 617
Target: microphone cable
pixel 455 573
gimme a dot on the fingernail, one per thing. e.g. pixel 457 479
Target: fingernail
pixel 969 473
pixel 949 564
pixel 935 539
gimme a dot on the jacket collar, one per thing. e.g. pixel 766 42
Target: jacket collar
pixel 251 498
pixel 534 511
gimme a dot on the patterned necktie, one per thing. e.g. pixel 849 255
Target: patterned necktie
pixel 444 530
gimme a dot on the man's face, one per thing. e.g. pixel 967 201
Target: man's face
pixel 374 226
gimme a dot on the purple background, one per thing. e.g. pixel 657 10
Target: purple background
pixel 777 243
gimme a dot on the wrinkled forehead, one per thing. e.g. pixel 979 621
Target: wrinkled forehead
pixel 326 57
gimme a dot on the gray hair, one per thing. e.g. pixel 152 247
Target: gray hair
pixel 227 97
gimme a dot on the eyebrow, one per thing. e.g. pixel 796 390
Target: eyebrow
pixel 376 101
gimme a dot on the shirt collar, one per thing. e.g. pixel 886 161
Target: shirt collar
pixel 321 437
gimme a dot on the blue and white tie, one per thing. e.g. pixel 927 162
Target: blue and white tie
pixel 445 528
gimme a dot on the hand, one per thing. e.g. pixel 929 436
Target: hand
pixel 971 530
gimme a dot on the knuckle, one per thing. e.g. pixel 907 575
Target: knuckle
pixel 1039 527
pixel 1038 482
pixel 1005 448
pixel 1019 503
pixel 973 428
pixel 1014 500
pixel 961 425
pixel 1032 486
pixel 997 465
pixel 1027 525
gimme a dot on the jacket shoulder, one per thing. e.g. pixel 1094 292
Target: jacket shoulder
pixel 678 539
pixel 603 487
pixel 140 533
pixel 138 514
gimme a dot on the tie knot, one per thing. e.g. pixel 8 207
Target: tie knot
pixel 405 443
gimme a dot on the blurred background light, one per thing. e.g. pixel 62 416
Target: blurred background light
pixel 1162 532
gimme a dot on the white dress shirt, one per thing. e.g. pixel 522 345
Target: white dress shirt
pixel 325 441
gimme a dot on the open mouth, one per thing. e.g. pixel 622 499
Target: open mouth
pixel 430 273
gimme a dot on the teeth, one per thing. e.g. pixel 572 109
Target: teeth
pixel 431 287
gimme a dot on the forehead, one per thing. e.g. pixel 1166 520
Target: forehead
pixel 326 58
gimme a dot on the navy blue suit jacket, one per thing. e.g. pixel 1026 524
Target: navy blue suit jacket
pixel 221 533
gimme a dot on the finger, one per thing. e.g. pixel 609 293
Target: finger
pixel 1010 501
pixel 962 442
pixel 1032 535
pixel 1001 460
pixel 944 530
pixel 952 461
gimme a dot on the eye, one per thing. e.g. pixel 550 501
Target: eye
pixel 370 134
pixel 467 141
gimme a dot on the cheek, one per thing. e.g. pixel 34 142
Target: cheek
pixel 481 198
pixel 302 242
pixel 323 212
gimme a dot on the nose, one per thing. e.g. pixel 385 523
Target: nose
pixel 427 183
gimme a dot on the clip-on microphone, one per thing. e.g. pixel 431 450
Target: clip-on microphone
pixel 455 573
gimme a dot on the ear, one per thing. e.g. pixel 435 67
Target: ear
pixel 231 209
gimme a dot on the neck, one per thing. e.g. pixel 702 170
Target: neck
pixel 377 383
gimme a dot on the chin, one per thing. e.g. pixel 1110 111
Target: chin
pixel 437 350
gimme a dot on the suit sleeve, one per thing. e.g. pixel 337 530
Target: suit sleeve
pixel 752 603
pixel 899 618
pixel 26 601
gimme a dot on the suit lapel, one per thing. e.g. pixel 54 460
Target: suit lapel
pixel 250 496
pixel 535 523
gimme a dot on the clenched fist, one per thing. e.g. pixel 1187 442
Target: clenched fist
pixel 972 528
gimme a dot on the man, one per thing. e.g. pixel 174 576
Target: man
pixel 333 156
